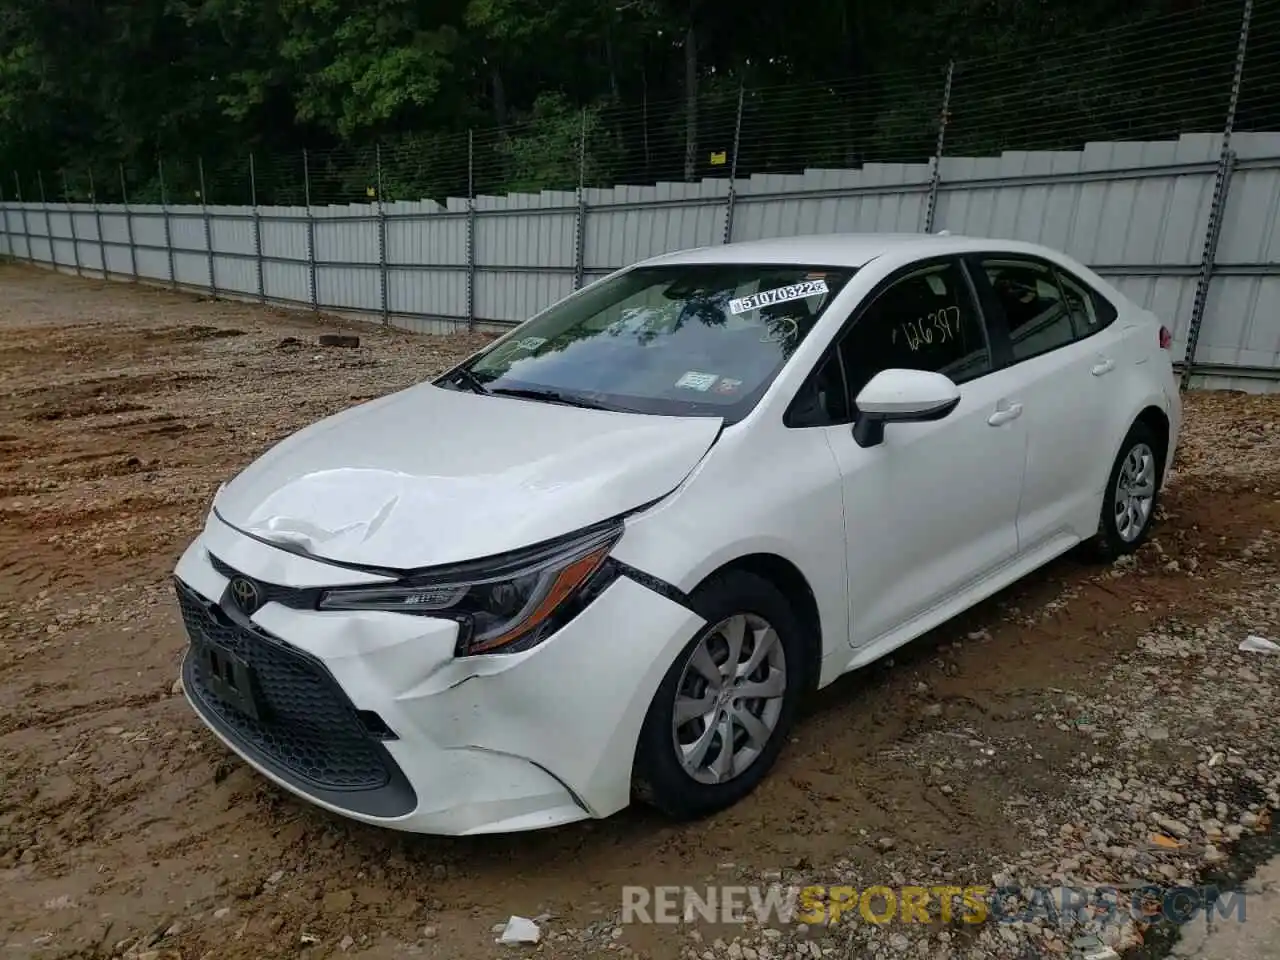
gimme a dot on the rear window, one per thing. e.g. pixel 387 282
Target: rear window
pixel 1039 319
pixel 1090 310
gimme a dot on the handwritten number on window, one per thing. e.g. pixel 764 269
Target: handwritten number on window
pixel 941 326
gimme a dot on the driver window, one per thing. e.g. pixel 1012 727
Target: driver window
pixel 926 320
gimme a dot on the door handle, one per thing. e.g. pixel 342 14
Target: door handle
pixel 1004 414
pixel 1104 367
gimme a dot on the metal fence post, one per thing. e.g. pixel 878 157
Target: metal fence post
pixel 935 175
pixel 257 230
pixel 471 230
pixel 580 219
pixel 168 233
pixel 312 291
pixel 71 220
pixel 733 171
pixel 382 240
pixel 1217 207
pixel 97 221
pixel 26 227
pixel 208 230
pixel 48 225
pixel 128 226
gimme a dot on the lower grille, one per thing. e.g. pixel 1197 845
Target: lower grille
pixel 283 710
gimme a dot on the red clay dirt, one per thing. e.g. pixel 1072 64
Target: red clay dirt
pixel 122 408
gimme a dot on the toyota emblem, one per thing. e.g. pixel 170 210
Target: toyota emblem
pixel 246 595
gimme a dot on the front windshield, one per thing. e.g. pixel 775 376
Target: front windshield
pixel 687 340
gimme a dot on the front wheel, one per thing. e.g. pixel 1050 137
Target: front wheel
pixel 725 707
pixel 1133 490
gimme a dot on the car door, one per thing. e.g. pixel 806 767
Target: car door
pixel 933 508
pixel 1062 360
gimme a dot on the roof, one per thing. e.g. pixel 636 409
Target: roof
pixel 836 249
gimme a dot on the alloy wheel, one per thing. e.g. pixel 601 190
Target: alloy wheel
pixel 1135 492
pixel 729 698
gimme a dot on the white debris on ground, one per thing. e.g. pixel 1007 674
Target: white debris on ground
pixel 1253 644
pixel 520 930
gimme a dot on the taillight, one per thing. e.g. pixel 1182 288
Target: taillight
pixel 1166 338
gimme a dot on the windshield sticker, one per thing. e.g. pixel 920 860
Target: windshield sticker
pixel 697 381
pixel 726 385
pixel 765 298
pixel 531 343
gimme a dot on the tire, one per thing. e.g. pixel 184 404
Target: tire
pixel 661 777
pixel 1120 531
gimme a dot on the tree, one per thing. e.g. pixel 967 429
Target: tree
pixel 95 84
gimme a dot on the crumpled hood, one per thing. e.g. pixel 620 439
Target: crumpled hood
pixel 432 476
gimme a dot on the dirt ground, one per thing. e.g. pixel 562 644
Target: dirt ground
pixel 125 827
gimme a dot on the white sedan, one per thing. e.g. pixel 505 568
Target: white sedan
pixel 606 558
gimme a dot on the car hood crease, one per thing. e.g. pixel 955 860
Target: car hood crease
pixel 431 476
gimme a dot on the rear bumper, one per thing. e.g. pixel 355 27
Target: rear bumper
pixel 484 744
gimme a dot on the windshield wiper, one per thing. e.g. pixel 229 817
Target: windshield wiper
pixel 468 379
pixel 551 396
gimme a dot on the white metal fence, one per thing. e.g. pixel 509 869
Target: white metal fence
pixel 1184 227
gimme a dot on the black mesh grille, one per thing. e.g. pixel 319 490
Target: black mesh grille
pixel 299 598
pixel 307 726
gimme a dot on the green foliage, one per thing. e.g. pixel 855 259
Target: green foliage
pixel 545 153
pixel 357 66
pixel 19 83
pixel 115 85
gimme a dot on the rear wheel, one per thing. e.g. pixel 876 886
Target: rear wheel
pixel 725 707
pixel 1133 491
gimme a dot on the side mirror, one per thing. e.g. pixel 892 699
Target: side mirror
pixel 902 396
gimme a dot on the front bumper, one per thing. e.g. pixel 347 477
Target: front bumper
pixel 370 715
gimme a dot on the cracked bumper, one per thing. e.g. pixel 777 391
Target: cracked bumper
pixel 486 744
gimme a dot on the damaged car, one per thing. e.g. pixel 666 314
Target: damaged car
pixel 606 558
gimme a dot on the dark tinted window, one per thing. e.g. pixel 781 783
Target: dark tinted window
pixel 1090 311
pixel 925 320
pixel 1038 317
pixel 684 340
pixel 822 399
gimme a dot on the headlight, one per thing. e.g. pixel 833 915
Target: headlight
pixel 504 604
